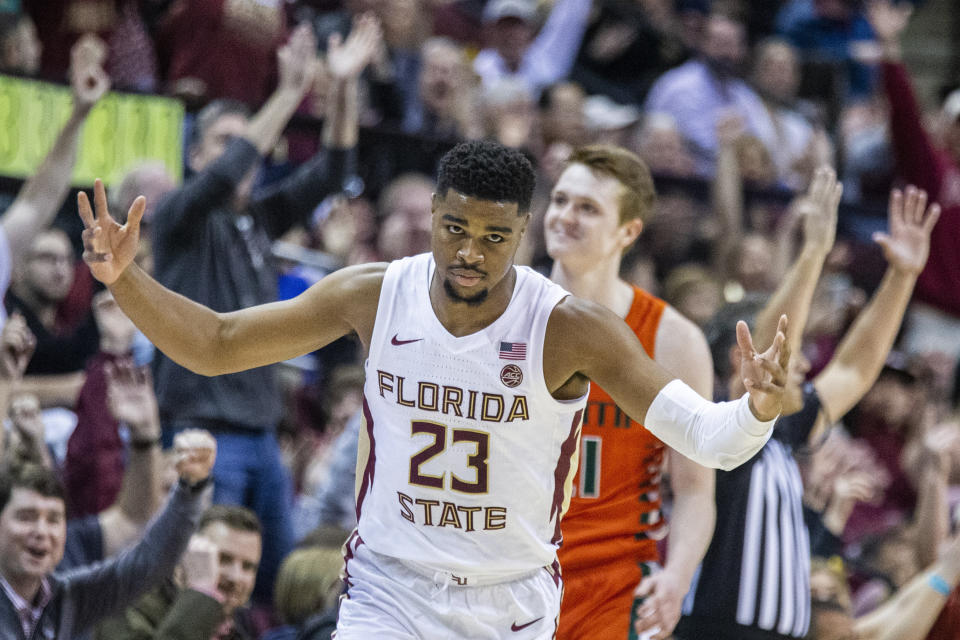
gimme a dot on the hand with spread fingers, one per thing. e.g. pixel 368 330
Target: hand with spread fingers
pixel 108 247
pixel 906 245
pixel 764 374
pixel 659 614
pixel 346 59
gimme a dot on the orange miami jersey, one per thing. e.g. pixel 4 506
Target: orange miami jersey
pixel 612 526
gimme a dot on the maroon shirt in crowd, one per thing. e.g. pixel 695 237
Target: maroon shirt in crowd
pixel 932 169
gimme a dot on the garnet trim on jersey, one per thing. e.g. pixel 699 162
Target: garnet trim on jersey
pixel 371 464
pixel 564 463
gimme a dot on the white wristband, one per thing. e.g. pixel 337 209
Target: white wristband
pixel 722 435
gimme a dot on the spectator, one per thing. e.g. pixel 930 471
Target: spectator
pixel 920 162
pixel 562 115
pixel 20 48
pixel 627 45
pixel 93 468
pixel 663 148
pixel 700 91
pixel 16 347
pixel 42 283
pixel 308 590
pixel 510 114
pixel 201 45
pixel 908 615
pixel 514 52
pixel 772 511
pixel 212 244
pixel 127 51
pixel 32 532
pixel 828 33
pixel 405 217
pixel 216 577
pixel 445 106
pixel 130 400
pixel 796 146
pixel 40 198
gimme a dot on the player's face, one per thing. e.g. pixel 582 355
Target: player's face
pixel 474 242
pixel 582 224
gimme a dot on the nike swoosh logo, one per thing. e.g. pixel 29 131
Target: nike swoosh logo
pixel 397 343
pixel 521 627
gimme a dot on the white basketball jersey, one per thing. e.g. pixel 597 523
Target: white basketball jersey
pixel 466 461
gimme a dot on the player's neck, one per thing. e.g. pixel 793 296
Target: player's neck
pixel 598 283
pixel 462 319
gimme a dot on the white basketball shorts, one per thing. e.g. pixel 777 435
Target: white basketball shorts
pixel 387 599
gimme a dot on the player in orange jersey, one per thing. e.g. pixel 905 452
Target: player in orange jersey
pixel 609 555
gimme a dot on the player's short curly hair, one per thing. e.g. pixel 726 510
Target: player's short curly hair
pixel 489 171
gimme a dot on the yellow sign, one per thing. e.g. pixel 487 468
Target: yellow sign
pixel 123 130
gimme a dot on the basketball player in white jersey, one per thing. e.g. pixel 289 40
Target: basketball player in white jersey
pixel 477 374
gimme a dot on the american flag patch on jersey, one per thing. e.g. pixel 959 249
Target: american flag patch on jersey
pixel 513 350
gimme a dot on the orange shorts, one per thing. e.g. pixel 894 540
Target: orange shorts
pixel 598 602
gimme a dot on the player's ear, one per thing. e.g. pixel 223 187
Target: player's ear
pixel 631 231
pixel 524 222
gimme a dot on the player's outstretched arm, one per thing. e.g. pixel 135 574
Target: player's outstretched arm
pixel 212 343
pixel 586 340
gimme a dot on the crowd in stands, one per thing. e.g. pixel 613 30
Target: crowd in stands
pixel 311 139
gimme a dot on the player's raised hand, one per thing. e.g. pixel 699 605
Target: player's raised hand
pixel 907 244
pixel 194 452
pixel 764 374
pixel 663 596
pixel 108 247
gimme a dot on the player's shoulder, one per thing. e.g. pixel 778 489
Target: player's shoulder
pixel 680 341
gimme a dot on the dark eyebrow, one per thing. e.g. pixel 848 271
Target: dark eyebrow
pixel 449 218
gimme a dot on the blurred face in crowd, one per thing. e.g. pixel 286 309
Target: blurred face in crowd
pixel 664 151
pixel 582 224
pixel 833 9
pixel 215 139
pixel 441 76
pixel 724 44
pixel 510 37
pixel 33 529
pixel 406 227
pixel 756 263
pixel 563 118
pixel 48 269
pixel 239 559
pixel 21 49
pixel 777 71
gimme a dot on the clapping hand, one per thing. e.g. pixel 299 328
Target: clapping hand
pixel 818 209
pixel 907 244
pixel 297 60
pixel 132 400
pixel 345 60
pixel 88 80
pixel 200 564
pixel 764 374
pixel 16 346
pixel 194 452
pixel 108 247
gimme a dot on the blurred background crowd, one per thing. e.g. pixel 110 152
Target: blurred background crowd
pixel 310 139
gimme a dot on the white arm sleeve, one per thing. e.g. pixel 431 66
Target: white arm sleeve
pixel 721 435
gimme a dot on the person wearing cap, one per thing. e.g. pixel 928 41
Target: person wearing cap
pixel 920 162
pixel 514 51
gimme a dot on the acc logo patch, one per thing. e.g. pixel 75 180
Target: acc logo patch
pixel 511 375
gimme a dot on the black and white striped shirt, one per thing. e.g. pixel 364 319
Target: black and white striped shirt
pixel 754 581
